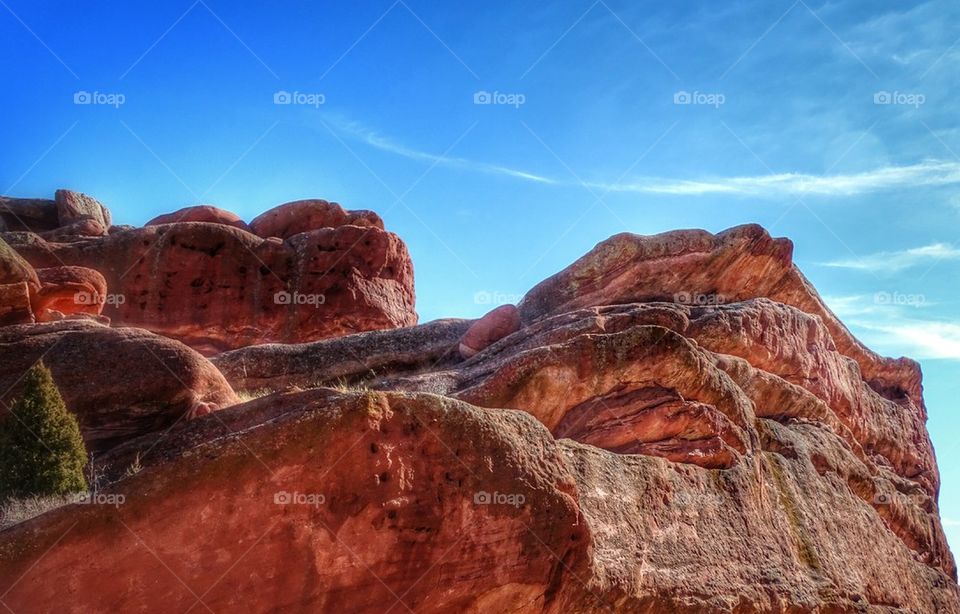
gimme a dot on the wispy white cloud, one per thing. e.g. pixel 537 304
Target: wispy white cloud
pixel 890 323
pixel 378 141
pixel 896 261
pixel 919 339
pixel 926 173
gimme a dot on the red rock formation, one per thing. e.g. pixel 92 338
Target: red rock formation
pixel 369 487
pixel 201 213
pixel 75 231
pixel 69 216
pixel 120 382
pixel 216 287
pixel 305 215
pixel 73 207
pixel 697 433
pixel 69 290
pixel 28 214
pixel 15 305
pixel 369 502
pixel 14 269
pixel 492 327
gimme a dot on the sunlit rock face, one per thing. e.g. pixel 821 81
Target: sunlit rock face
pixel 120 382
pixel 204 277
pixel 674 423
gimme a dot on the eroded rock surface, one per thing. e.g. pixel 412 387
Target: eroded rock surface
pixel 217 287
pixel 120 382
pixel 494 326
pixel 69 289
pixel 200 213
pixel 306 215
pixel 676 423
pixel 302 271
pixel 319 501
pixel 348 503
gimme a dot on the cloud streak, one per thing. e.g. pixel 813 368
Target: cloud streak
pixel 928 173
pixel 919 338
pixel 378 141
pixel 894 262
pixel 892 328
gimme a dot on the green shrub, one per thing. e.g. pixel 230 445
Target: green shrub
pixel 41 451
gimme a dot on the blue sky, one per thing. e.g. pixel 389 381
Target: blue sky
pixel 831 123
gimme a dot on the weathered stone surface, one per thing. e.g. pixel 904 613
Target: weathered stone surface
pixel 692 383
pixel 494 326
pixel 201 213
pixel 74 231
pixel 15 305
pixel 345 360
pixel 697 433
pixel 398 517
pixel 70 289
pixel 305 215
pixel 695 267
pixel 14 268
pixel 120 382
pixel 358 502
pixel 28 214
pixel 74 207
pixel 216 287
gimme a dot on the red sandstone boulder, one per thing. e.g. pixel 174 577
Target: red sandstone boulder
pixel 28 214
pixel 304 215
pixel 492 327
pixel 14 268
pixel 75 231
pixel 201 213
pixel 120 382
pixel 15 305
pixel 216 287
pixel 70 289
pixel 73 207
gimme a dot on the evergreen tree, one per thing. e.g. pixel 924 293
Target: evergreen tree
pixel 41 451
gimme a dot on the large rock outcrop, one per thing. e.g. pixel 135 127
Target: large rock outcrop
pixel 678 425
pixel 320 272
pixel 28 295
pixel 368 502
pixel 69 215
